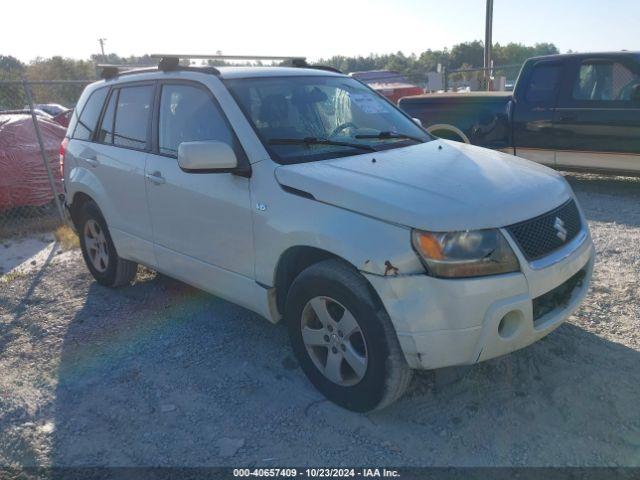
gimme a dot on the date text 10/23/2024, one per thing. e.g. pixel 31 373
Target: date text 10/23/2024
pixel 317 472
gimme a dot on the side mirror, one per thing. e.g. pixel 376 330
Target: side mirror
pixel 209 156
pixel 635 93
pixel 417 121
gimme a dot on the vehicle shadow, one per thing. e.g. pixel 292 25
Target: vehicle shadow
pixel 600 196
pixel 569 399
pixel 19 309
pixel 161 374
pixel 156 373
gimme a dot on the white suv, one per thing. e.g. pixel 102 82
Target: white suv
pixel 303 195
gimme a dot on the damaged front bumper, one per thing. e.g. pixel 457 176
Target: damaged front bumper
pixel 443 323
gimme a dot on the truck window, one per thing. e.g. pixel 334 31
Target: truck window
pixel 543 84
pixel 604 81
pixel 89 117
pixel 187 113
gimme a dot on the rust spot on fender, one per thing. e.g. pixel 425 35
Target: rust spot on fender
pixel 389 269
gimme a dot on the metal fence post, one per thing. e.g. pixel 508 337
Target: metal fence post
pixel 43 153
pixel 445 74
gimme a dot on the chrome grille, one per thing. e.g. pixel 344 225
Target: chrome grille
pixel 550 231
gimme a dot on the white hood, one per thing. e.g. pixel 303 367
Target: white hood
pixel 438 186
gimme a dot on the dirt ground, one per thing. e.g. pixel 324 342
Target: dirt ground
pixel 159 373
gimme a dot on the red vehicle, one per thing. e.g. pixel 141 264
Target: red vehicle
pixel 392 85
pixel 63 118
pixel 23 176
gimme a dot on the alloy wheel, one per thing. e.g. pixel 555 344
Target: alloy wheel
pixel 96 244
pixel 334 341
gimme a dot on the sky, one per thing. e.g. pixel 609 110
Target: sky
pixel 317 29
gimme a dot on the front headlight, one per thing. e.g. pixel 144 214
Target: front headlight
pixel 465 254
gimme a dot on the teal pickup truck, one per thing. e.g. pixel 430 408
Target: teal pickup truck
pixel 573 112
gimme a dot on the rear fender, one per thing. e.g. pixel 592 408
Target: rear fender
pixel 81 180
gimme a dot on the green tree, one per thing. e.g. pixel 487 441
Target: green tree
pixel 11 69
pixel 59 68
pixel 469 53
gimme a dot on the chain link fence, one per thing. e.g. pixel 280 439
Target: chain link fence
pixel 33 119
pixel 497 78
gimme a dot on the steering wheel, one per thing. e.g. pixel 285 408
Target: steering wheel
pixel 342 126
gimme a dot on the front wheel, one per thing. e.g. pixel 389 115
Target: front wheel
pixel 344 339
pixel 98 250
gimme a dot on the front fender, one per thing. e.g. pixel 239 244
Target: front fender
pixel 286 220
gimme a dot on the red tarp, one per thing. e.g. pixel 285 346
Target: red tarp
pixel 23 177
pixel 391 84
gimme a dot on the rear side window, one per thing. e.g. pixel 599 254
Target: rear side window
pixel 105 134
pixel 604 81
pixel 543 84
pixel 88 119
pixel 187 113
pixel 133 111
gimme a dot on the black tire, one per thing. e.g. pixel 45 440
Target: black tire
pixel 387 374
pixel 118 271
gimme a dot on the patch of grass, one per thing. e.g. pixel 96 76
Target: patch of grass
pixel 67 238
pixel 145 274
pixel 21 226
pixel 11 276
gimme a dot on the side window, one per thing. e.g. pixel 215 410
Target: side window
pixel 604 81
pixel 88 119
pixel 105 134
pixel 187 113
pixel 543 84
pixel 133 111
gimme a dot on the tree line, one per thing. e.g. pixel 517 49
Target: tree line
pixel 414 67
pixel 461 56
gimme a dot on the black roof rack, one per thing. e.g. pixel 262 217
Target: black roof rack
pixel 297 62
pixel 168 63
pixel 185 56
pixel 111 71
pixel 171 62
pixel 165 65
pixel 326 68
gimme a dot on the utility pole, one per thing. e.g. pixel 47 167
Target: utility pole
pixel 101 41
pixel 488 43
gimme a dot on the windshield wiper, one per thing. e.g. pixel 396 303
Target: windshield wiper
pixel 384 135
pixel 319 141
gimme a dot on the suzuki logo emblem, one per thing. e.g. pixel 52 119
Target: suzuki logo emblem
pixel 561 232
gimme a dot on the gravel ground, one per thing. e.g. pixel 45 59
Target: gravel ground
pixel 162 374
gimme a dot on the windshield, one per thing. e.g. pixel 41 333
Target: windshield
pixel 302 119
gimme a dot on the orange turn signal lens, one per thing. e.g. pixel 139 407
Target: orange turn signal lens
pixel 429 245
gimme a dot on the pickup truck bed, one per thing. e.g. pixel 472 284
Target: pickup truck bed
pixel 480 118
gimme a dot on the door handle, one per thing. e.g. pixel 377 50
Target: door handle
pixel 568 118
pixel 92 160
pixel 155 177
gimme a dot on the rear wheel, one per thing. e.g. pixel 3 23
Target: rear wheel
pixel 343 338
pixel 98 250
